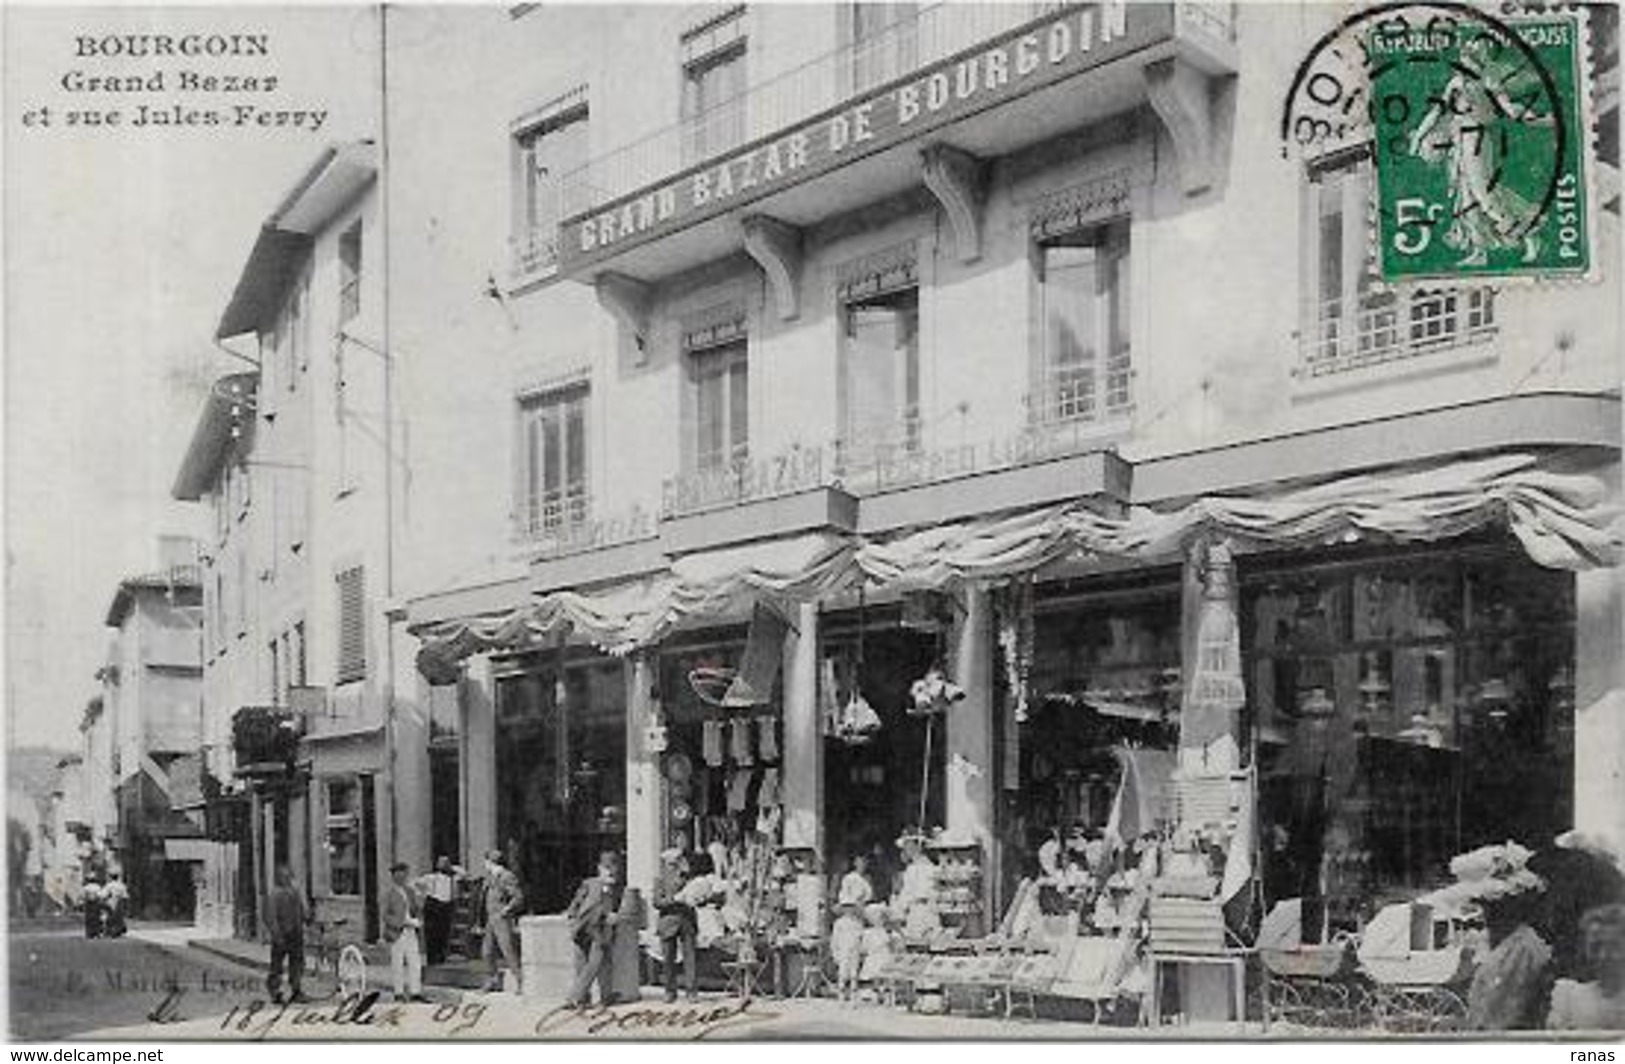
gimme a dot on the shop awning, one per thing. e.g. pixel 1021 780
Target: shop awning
pixel 1556 514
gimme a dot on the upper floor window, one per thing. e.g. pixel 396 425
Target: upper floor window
pixel 550 148
pixel 719 378
pixel 884 42
pixel 553 460
pixel 713 104
pixel 1349 320
pixel 1086 370
pixel 350 273
pixel 352 626
pixel 879 364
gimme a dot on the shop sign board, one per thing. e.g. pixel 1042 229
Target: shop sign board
pixel 1060 45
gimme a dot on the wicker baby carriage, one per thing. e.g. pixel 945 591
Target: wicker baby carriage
pixel 1419 966
pixel 1309 984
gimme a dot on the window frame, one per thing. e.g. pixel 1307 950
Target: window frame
pixel 350 632
pixel 862 449
pixel 346 822
pixel 1103 393
pixel 710 127
pixel 538 206
pixel 531 495
pixel 728 362
pixel 1387 325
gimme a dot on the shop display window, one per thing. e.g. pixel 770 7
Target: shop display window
pixel 561 773
pixel 1406 708
pixel 721 767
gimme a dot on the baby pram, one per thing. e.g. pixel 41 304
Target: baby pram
pixel 1419 964
pixel 1306 983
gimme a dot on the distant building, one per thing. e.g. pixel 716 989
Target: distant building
pixel 151 700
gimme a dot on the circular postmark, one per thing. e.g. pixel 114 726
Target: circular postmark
pixel 1472 128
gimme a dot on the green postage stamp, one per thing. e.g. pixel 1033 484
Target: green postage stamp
pixel 1480 146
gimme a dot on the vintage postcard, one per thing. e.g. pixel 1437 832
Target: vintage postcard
pixel 769 521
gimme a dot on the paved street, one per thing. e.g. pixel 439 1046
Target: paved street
pixel 63 984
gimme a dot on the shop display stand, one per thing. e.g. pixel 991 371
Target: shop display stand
pixel 959 886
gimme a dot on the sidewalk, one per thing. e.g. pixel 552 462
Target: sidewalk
pixel 257 955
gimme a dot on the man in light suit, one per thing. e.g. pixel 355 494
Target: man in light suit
pixel 402 916
pixel 593 914
pixel 501 903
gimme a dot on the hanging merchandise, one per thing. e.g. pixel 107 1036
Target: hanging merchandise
pixel 767 742
pixel 711 742
pixel 739 791
pixel 858 722
pixel 933 693
pixel 829 702
pixel 739 731
pixel 768 793
pixel 1016 642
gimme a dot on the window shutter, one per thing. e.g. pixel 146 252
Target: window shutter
pixel 352 627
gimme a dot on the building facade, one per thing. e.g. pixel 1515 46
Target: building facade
pixel 152 707
pixel 293 458
pixel 959 336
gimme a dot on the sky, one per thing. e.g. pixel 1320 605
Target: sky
pixel 121 248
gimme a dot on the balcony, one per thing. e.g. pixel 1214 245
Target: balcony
pixel 1390 332
pixel 973 81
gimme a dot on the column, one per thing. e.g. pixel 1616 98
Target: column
pixel 969 764
pixel 477 765
pixel 412 807
pixel 643 837
pixel 803 754
pixel 1599 705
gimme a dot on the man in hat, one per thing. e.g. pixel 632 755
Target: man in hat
pixel 593 915
pixel 285 916
pixel 501 902
pixel 402 917
pixel 676 925
pixel 439 892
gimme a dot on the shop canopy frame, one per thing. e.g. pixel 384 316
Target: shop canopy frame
pixel 1557 515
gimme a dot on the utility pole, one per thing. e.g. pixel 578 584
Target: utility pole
pixel 391 740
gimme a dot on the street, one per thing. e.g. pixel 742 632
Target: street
pixel 129 989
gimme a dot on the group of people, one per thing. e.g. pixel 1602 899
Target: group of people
pixel 105 907
pixel 415 917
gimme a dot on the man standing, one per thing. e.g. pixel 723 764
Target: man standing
pixel 285 916
pixel 501 903
pixel 439 892
pixel 675 925
pixel 402 919
pixel 593 914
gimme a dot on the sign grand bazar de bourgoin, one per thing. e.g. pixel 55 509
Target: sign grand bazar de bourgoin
pixel 1048 50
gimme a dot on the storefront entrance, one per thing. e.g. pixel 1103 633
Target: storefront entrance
pixel 873 790
pixel 560 772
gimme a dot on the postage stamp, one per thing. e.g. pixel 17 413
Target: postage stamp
pixel 1479 148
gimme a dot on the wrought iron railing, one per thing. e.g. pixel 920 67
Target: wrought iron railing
pixel 553 514
pixel 932 33
pixel 1390 326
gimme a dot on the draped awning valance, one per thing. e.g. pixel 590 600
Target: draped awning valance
pixel 1558 517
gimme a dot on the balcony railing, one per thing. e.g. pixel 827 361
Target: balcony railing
pixel 1392 326
pixel 904 457
pixel 931 34
pixel 553 514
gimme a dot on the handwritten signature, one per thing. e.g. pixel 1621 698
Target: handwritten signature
pixel 694 1021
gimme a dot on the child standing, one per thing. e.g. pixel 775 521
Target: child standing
pixel 845 941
